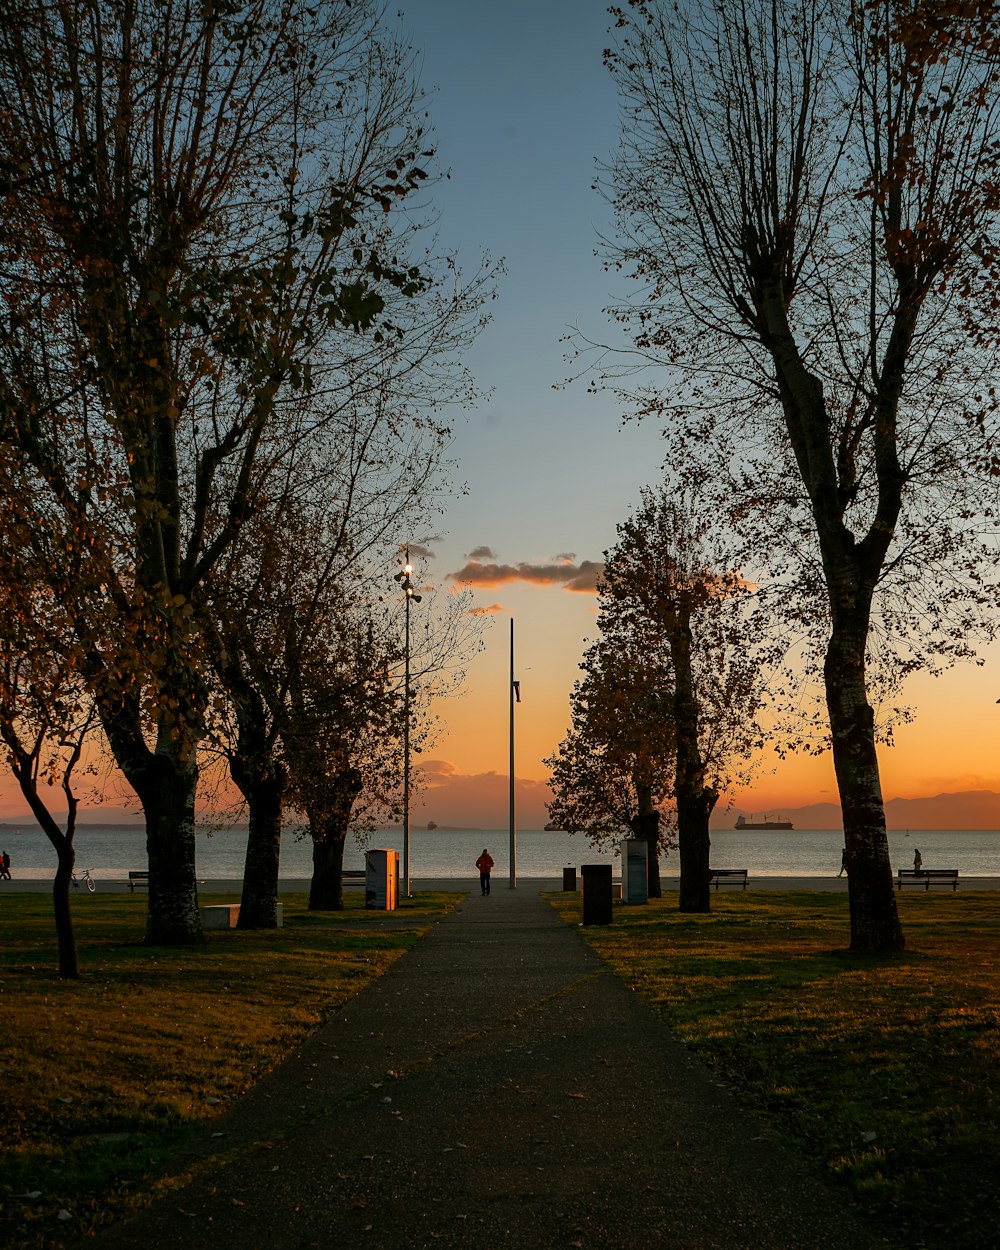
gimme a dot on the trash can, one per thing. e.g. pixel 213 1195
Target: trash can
pixel 569 880
pixel 635 888
pixel 381 879
pixel 596 893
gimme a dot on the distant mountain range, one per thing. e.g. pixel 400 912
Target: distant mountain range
pixel 965 809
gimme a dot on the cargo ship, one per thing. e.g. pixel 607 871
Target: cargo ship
pixel 766 823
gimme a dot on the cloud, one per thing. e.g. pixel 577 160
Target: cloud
pixel 478 800
pixel 491 610
pixel 563 572
pixel 420 552
pixel 481 553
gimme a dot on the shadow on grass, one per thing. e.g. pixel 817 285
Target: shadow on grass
pixel 879 1070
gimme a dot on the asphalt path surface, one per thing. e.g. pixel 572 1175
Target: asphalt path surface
pixel 498 1087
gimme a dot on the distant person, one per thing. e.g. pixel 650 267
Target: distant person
pixel 5 866
pixel 843 862
pixel 485 865
pixel 918 860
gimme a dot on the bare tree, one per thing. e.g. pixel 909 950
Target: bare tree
pixel 208 212
pixel 806 192
pixel 46 712
pixel 671 606
pixel 612 775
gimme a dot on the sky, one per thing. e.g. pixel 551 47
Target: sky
pixel 523 108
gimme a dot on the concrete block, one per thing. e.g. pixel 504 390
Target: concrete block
pixel 220 916
pixel 225 916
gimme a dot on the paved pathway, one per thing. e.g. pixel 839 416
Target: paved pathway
pixel 498 1088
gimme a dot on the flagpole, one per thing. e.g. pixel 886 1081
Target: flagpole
pixel 514 692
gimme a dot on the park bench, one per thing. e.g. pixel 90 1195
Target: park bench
pixel 727 876
pixel 137 880
pixel 927 877
pixel 353 876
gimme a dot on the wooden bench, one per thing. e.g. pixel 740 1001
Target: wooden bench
pixel 727 876
pixel 137 881
pixel 353 876
pixel 927 876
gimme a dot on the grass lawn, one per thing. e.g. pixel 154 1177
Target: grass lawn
pixel 884 1073
pixel 103 1079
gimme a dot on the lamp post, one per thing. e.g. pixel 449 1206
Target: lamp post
pixel 515 696
pixel 409 594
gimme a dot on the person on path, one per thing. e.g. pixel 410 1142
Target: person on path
pixel 843 862
pixel 485 864
pixel 918 860
pixel 5 866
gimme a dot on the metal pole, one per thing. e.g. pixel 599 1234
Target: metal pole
pixel 513 823
pixel 406 744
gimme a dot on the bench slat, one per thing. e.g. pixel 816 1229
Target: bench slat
pixel 723 876
pixel 927 876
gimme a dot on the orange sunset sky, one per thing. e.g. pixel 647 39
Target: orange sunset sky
pixel 522 109
pixel 952 745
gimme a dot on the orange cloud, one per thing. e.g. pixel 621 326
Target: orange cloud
pixel 479 800
pixel 487 611
pixel 581 577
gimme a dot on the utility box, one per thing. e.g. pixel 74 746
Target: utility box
pixel 596 893
pixel 635 882
pixel 381 879
pixel 569 879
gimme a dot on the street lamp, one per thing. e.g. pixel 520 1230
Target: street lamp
pixel 515 696
pixel 409 594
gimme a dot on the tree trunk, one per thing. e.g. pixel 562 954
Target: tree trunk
pixel 69 965
pixel 326 890
pixel 167 794
pixel 165 781
pixel 694 807
pixel 695 799
pixel 851 575
pixel 259 901
pixel 328 825
pixel 24 773
pixel 875 923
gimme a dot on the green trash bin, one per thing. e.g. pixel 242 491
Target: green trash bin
pixel 569 880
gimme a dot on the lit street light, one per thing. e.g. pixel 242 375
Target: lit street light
pixel 407 587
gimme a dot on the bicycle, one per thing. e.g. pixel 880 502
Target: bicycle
pixel 87 880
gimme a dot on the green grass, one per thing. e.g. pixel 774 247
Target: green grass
pixel 884 1074
pixel 104 1079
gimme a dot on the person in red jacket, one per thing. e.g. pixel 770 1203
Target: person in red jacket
pixel 484 863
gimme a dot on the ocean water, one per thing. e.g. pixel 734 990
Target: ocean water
pixel 110 851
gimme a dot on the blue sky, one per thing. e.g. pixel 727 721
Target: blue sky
pixel 522 107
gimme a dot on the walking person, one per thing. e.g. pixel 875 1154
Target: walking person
pixel 5 866
pixel 843 862
pixel 918 860
pixel 485 865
